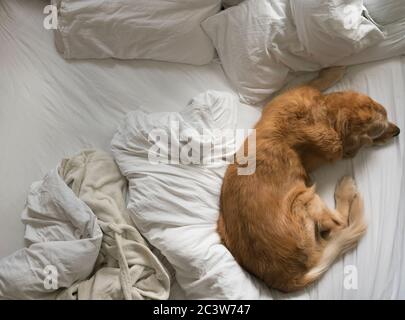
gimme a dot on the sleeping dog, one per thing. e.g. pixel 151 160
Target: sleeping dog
pixel 272 221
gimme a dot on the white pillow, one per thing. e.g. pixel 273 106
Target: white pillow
pixel 260 41
pixel 392 46
pixel 243 36
pixel 333 29
pixel 141 29
pixel 386 11
pixel 175 206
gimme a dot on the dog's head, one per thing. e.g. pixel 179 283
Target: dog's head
pixel 360 121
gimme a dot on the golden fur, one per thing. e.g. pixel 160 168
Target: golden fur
pixel 272 221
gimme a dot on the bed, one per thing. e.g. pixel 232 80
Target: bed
pixel 51 108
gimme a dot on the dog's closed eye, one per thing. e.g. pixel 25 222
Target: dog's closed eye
pixel 376 129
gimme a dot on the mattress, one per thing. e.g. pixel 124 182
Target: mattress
pixel 51 108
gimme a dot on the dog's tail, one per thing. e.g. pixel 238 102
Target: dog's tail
pixel 342 242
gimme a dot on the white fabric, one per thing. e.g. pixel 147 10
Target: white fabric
pixel 392 46
pixel 142 29
pixel 125 268
pixel 64 239
pixel 50 109
pixel 175 206
pixel 333 29
pixel 68 256
pixel 246 38
pixel 386 11
pixel 260 41
pixel 230 3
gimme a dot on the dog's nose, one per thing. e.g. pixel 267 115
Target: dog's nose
pixel 392 130
pixel 396 132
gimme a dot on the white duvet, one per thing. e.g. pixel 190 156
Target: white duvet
pixel 176 205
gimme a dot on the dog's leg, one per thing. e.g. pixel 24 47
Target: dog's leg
pixel 327 78
pixel 311 162
pixel 320 144
pixel 334 220
pixel 349 204
pixel 345 194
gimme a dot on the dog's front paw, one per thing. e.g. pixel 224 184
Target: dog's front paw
pixel 346 189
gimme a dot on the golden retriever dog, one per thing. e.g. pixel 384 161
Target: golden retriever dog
pixel 272 221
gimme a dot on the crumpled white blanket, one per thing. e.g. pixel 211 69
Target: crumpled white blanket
pixel 77 227
pixel 175 204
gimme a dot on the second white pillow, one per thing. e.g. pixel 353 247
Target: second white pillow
pixel 260 41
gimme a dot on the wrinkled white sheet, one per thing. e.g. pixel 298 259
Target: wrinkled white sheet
pixel 50 109
pixel 63 243
pixel 81 243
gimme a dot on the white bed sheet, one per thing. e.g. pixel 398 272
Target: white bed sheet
pixel 51 108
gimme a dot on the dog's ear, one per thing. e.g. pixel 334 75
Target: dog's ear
pixel 349 113
pixel 354 143
pixel 354 128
